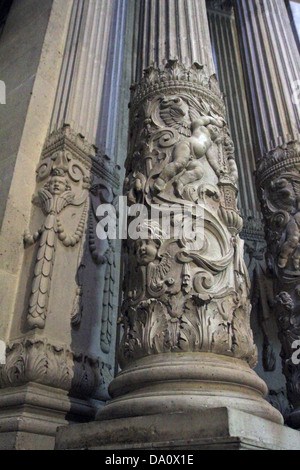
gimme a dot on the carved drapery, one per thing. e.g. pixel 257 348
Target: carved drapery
pixel 276 125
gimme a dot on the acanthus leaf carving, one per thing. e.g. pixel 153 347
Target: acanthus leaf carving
pixel 37 360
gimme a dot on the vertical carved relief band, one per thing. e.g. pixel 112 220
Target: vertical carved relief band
pixel 53 197
pixel 71 174
pixel 279 178
pixel 186 309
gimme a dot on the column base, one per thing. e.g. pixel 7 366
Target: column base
pixel 293 419
pixel 30 415
pixel 187 382
pixel 213 429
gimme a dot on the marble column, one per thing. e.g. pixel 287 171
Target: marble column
pixel 187 343
pixel 272 70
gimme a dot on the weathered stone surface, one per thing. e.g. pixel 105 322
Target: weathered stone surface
pixel 213 429
pixel 30 415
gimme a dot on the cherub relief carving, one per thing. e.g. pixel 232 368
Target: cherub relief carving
pixel 187 155
pixel 284 202
pixel 151 264
pixel 53 197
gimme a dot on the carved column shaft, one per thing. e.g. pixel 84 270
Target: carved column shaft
pixel 271 60
pixel 186 310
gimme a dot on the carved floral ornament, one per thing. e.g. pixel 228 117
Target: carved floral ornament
pixel 179 298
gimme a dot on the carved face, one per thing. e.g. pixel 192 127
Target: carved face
pixel 146 251
pixel 214 132
pixel 284 190
pixel 58 185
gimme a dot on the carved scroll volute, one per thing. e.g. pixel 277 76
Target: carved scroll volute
pixel 180 296
pixel 63 182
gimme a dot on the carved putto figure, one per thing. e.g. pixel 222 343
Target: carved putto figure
pixel 284 195
pixel 53 197
pixel 186 158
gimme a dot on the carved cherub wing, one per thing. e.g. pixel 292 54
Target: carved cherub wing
pixel 194 115
pixel 64 200
pixel 175 113
pixel 162 269
pixel 46 200
pixel 157 276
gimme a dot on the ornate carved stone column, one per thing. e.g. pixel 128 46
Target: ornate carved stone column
pixel 271 64
pixel 187 343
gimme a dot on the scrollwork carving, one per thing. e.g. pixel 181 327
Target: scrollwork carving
pixel 181 295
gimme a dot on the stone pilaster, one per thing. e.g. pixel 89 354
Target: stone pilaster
pixel 271 65
pixel 60 327
pixel 186 310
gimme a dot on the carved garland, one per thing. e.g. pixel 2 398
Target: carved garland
pixel 53 197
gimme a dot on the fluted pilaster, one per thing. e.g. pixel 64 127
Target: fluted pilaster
pixel 79 98
pixel 272 67
pixel 89 87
